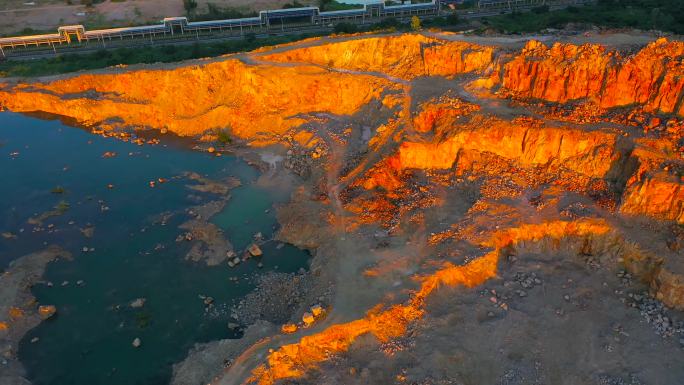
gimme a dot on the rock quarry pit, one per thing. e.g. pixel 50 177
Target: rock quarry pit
pixel 479 210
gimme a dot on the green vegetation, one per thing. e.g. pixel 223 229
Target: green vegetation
pixel 389 23
pixel 90 3
pixel 27 31
pixel 223 137
pixel 58 190
pixel 664 15
pixel 468 4
pixel 190 6
pixel 346 28
pixel 333 5
pixel 415 23
pixel 143 319
pixel 452 19
pixel 62 207
pixel 214 12
pixel 293 4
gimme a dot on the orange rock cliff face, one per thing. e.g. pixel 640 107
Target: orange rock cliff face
pixel 654 77
pixel 589 153
pixel 654 189
pixel 248 100
pixel 404 57
pixel 192 99
pixel 259 102
pixel 388 131
pixel 291 361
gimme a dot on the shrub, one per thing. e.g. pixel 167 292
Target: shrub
pixel 415 23
pixel 452 19
pixel 223 137
pixel 62 206
pixel 541 9
pixel 189 5
pixel 346 28
pixel 58 190
pixel 390 22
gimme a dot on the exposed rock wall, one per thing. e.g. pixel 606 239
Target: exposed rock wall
pixel 591 153
pixel 659 195
pixel 654 77
pixel 404 57
pixel 293 360
pixel 656 187
pixel 190 100
pixel 260 102
pixel 436 114
pixel 513 199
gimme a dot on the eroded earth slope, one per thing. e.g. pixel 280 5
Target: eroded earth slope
pixel 478 213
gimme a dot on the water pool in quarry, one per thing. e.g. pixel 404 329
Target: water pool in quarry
pixel 481 210
pixel 92 196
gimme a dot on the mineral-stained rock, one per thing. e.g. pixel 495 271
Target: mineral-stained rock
pixel 406 56
pixel 289 328
pixel 565 72
pixel 255 250
pixel 656 187
pixel 669 285
pixel 46 311
pixel 658 195
pixel 316 310
pixel 426 163
pixel 193 99
pixel 590 153
pixel 138 303
pixel 308 318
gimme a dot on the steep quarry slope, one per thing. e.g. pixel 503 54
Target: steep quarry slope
pixel 656 187
pixel 293 360
pixel 654 77
pixel 404 57
pixel 194 99
pixel 439 186
pixel 228 93
pixel 589 153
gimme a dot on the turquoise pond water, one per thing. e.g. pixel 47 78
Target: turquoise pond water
pixel 89 341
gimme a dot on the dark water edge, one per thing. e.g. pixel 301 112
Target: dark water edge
pixel 134 254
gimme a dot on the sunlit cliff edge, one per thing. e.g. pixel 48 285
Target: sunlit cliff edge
pixel 554 149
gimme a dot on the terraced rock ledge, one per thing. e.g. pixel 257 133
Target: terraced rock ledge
pixel 480 211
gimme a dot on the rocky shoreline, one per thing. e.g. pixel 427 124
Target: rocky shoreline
pixel 476 212
pixel 19 311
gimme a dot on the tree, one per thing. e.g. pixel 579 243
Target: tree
pixel 189 5
pixel 415 23
pixel 323 4
pixel 346 28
